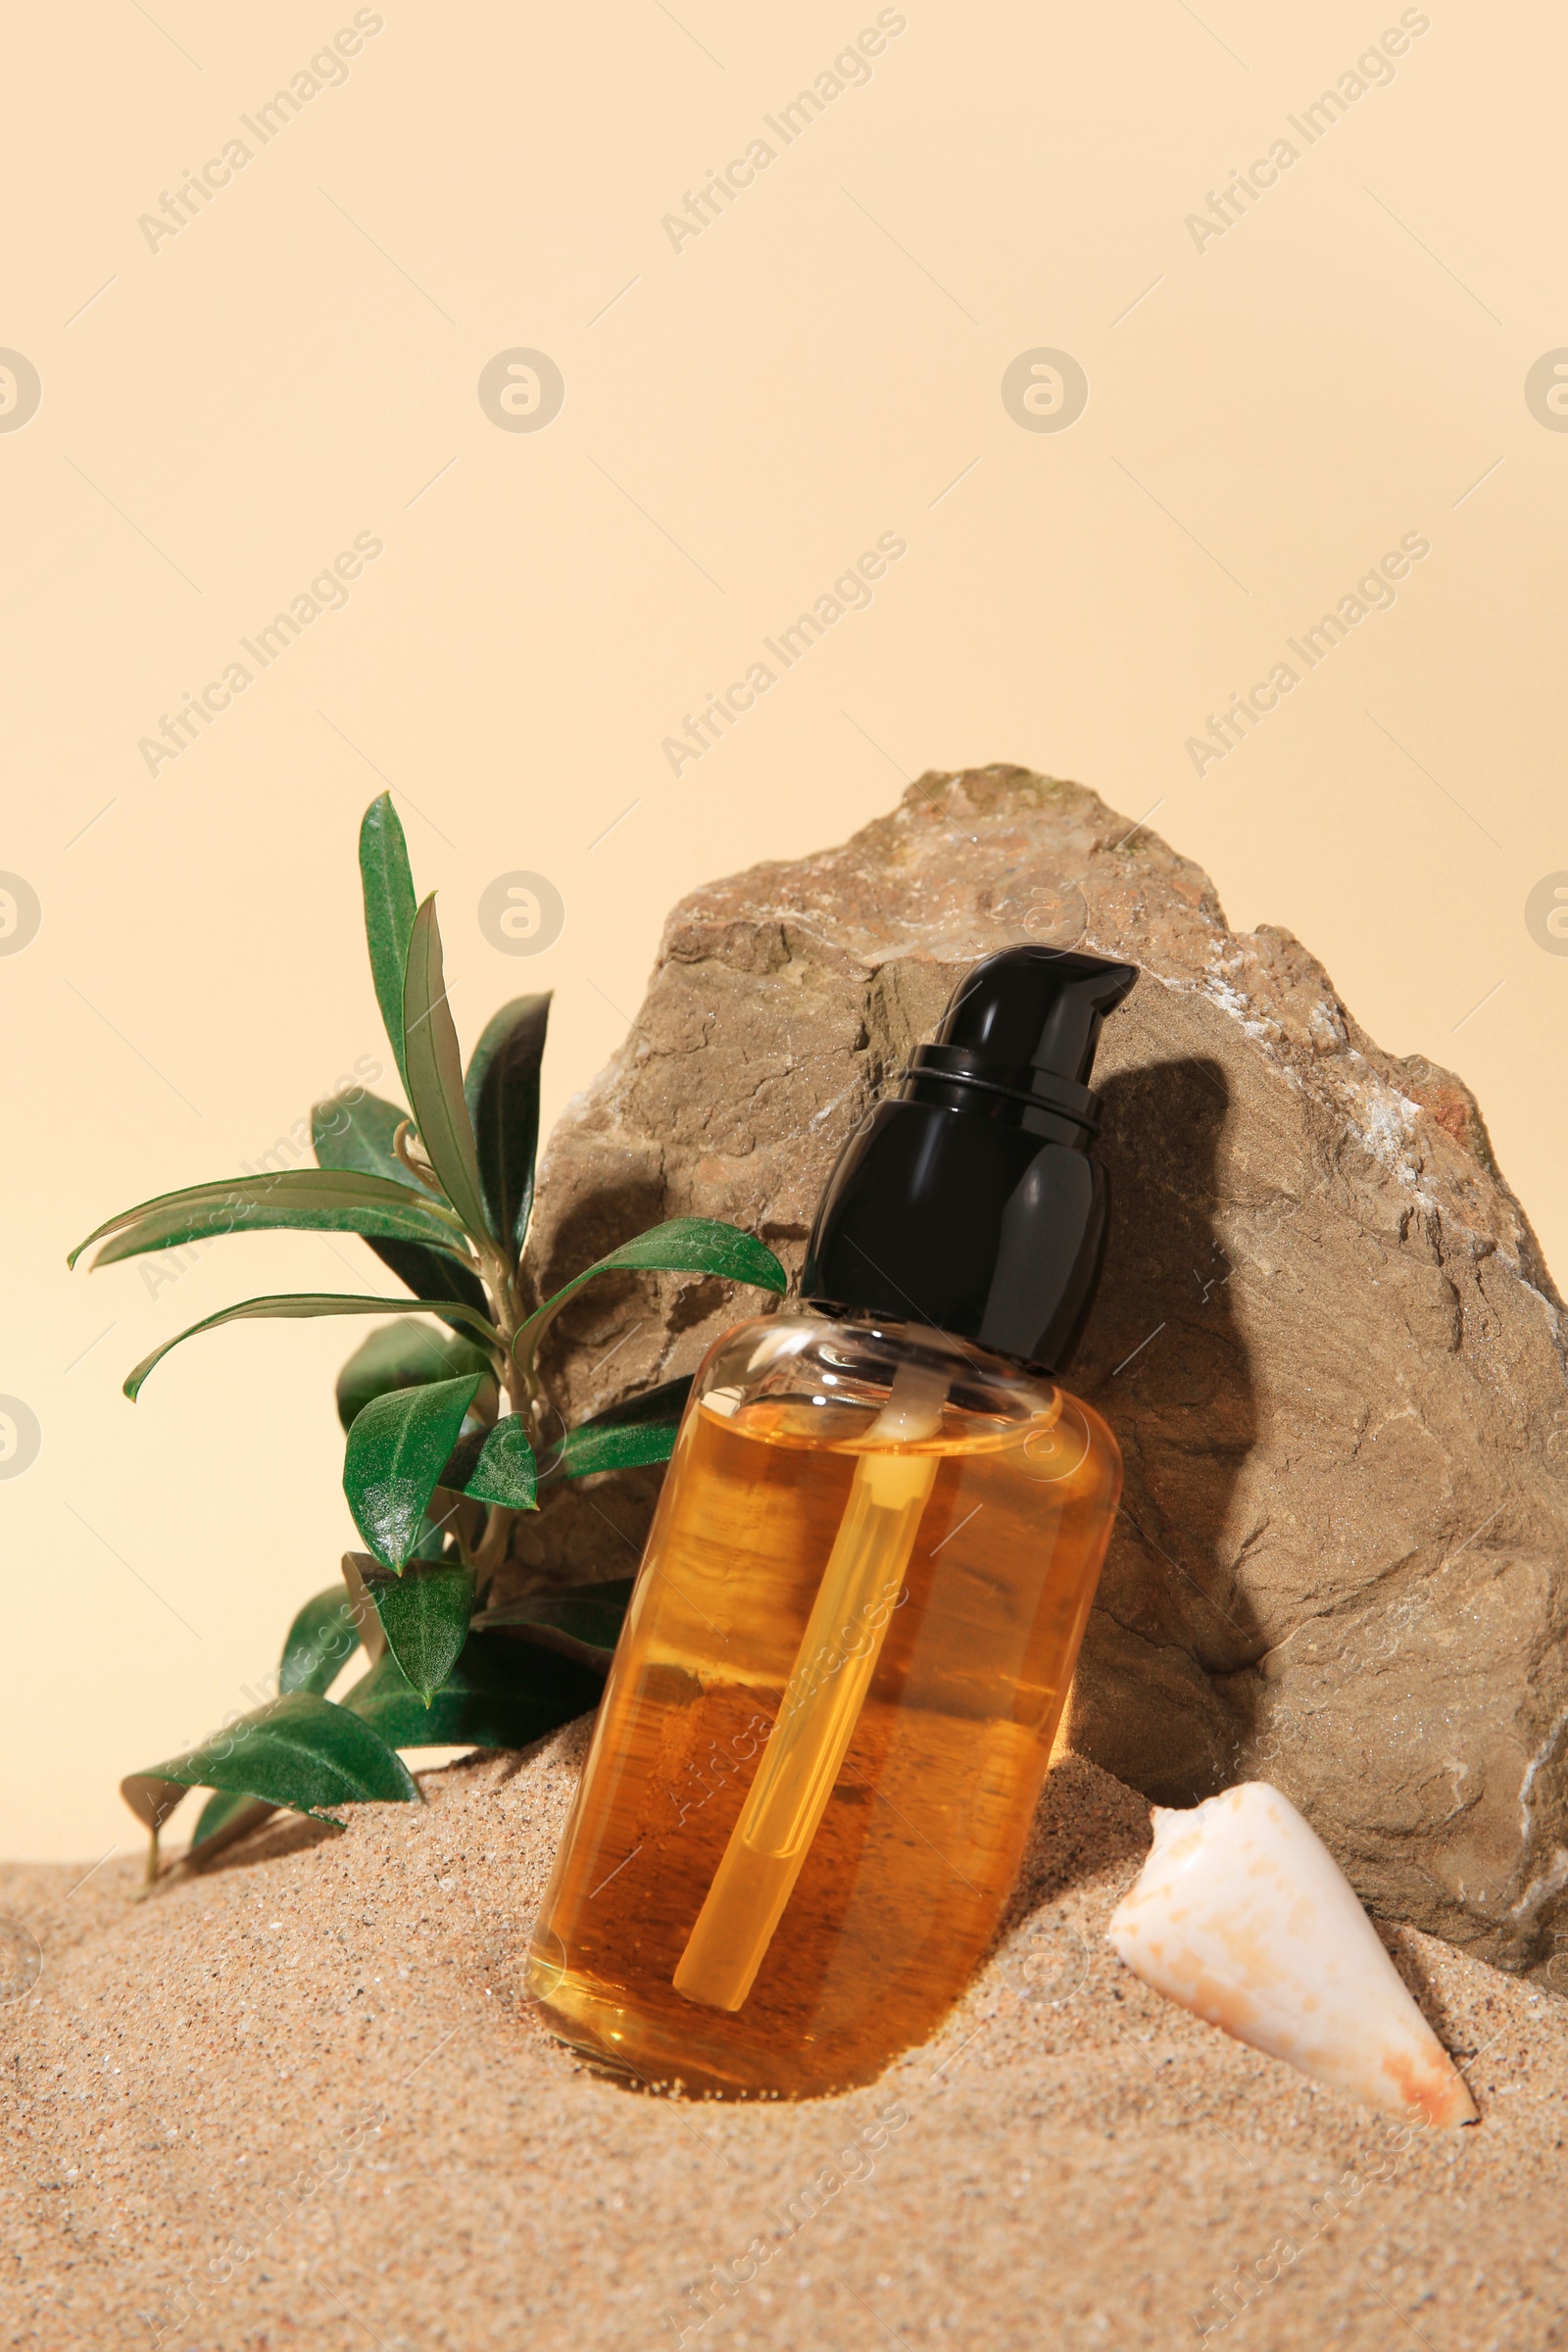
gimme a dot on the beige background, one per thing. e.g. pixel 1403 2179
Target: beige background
pixel 744 416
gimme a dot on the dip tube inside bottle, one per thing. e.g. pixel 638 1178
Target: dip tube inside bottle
pixel 789 1794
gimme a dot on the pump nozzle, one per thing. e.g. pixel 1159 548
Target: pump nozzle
pixel 1033 1011
pixel 971 1199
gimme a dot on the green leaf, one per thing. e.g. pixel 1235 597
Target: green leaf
pixel 683 1245
pixel 502 1693
pixel 397 1450
pixel 389 905
pixel 439 1281
pixel 296 1305
pixel 501 1092
pixel 357 1567
pixel 404 1355
pixel 587 1452
pixel 589 1615
pixel 495 1466
pixel 227 1818
pixel 697 1246
pixel 424 1615
pixel 433 1073
pixel 320 1643
pixel 299 1751
pixel 357 1134
pixel 625 1437
pixel 436 1534
pixel 295 1200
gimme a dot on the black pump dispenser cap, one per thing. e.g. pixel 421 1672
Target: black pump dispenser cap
pixel 970 1200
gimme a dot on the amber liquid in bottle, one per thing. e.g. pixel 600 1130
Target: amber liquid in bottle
pixel 965 1654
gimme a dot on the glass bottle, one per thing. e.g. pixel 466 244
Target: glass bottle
pixel 833 1702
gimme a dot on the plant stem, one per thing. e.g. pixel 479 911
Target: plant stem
pixel 525 1393
pixel 525 1358
pixel 521 1377
pixel 491 1549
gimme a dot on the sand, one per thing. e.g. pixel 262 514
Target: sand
pixel 301 2101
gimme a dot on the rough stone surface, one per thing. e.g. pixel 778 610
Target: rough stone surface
pixel 1326 1338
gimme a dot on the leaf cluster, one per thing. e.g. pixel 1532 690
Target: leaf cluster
pixel 445 1426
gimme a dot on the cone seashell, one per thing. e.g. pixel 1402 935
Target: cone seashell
pixel 1243 1915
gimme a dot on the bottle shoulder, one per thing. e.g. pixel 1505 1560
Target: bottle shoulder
pixel 859 1380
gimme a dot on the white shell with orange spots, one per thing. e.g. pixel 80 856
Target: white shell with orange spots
pixel 1242 1915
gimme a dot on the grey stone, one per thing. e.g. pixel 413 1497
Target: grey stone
pixel 1326 1338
